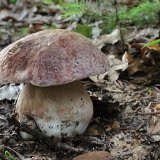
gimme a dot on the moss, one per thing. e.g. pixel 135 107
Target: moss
pixel 84 30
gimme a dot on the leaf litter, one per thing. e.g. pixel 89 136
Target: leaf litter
pixel 126 117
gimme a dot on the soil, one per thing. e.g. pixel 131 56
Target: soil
pixel 126 120
pixel 119 125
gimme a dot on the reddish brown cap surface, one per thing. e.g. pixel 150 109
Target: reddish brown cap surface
pixel 50 57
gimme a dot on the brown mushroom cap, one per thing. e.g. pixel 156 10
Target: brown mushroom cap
pixel 50 57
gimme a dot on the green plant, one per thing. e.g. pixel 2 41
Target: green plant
pixel 145 13
pixel 70 9
pixel 21 32
pixel 155 42
pixel 7 155
pixel 53 26
pixel 49 2
pixel 81 7
pixel 13 1
pixel 84 30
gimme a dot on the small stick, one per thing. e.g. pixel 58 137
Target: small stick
pixel 119 26
pixel 50 142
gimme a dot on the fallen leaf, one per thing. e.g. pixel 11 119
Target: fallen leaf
pixel 92 132
pixel 147 32
pixel 153 126
pixel 116 66
pixel 124 144
pixel 139 153
pixel 6 14
pixel 115 125
pixel 10 91
pixel 95 155
pixel 108 38
pixel 134 64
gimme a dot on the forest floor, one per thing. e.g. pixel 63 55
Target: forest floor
pixel 126 121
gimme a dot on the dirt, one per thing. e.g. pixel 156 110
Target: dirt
pixel 119 126
pixel 126 113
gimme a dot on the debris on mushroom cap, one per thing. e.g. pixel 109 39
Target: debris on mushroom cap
pixel 51 57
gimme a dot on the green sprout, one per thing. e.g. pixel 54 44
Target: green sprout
pixel 8 155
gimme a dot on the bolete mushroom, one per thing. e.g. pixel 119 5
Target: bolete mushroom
pixel 51 63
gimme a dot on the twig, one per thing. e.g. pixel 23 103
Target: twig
pixel 132 117
pixel 154 113
pixel 70 148
pixel 119 26
pixel 140 126
pixel 50 142
pixel 6 123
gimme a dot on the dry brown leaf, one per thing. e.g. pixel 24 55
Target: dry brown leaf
pixel 95 155
pixel 157 107
pixel 141 61
pixel 124 144
pixel 6 14
pixel 129 34
pixel 39 19
pixel 134 64
pixel 153 127
pixel 115 125
pixel 107 39
pixel 139 153
pixel 116 65
pixel 92 132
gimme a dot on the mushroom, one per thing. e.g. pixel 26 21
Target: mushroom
pixel 51 63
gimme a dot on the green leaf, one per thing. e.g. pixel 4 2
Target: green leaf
pixel 155 42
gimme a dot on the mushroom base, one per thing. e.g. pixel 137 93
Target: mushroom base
pixel 59 111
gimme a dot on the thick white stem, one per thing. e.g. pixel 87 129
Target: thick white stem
pixel 64 110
